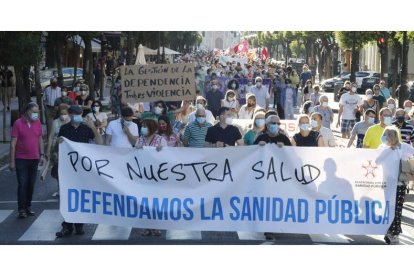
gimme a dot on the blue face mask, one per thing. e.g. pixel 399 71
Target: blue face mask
pixel 387 121
pixel 273 128
pixel 34 116
pixel 314 124
pixel 201 120
pixel 311 109
pixel 304 127
pixel 77 119
pixel 144 131
pixel 384 140
pixel 260 122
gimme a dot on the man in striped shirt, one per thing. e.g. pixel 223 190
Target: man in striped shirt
pixel 50 94
pixel 406 129
pixel 195 133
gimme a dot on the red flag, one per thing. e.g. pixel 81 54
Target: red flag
pixel 236 49
pixel 265 54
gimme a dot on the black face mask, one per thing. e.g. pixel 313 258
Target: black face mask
pixel 400 119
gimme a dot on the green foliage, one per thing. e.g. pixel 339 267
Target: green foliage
pixel 361 38
pixel 20 48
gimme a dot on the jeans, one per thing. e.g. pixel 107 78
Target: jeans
pixel 26 171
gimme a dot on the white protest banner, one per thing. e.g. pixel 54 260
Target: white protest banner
pixel 250 188
pixel 166 82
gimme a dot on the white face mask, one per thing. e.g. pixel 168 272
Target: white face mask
pixel 354 89
pixel 371 120
pixel 158 110
pixel 258 84
pixel 64 117
pixel 83 93
pixel 369 97
pixel 324 104
pixel 199 105
pixel 64 93
pixel 229 121
pixel 391 106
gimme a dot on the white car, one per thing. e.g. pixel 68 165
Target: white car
pixel 365 74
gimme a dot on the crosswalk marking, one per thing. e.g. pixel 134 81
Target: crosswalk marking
pixel 4 214
pixel 329 238
pixel 183 235
pixel 251 236
pixel 111 232
pixel 44 228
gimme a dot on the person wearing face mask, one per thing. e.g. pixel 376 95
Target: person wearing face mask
pixel 50 94
pixel 408 107
pixel 122 132
pixel 307 90
pixel 52 144
pixel 195 132
pixel 326 133
pixel 84 100
pixel 77 131
pixel 305 76
pixel 306 137
pixel 214 97
pixel 99 118
pixel 165 130
pixel 314 97
pixel 308 108
pixel 223 133
pixel 391 106
pixel 201 102
pixel 406 129
pixel 289 99
pixel 325 110
pixel 344 89
pixel 261 92
pixel 377 96
pixel 26 153
pixel 248 109
pixel 372 139
pixel 272 133
pixel 150 138
pixel 231 102
pixel 371 103
pixel 391 143
pixel 257 127
pixel 384 91
pixel 64 99
pixel 361 128
pixel 349 105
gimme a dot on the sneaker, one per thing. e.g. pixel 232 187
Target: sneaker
pixel 22 214
pixel 29 212
pixel 64 232
pixel 392 239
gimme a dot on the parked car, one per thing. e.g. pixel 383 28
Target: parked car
pixel 368 83
pixel 328 85
pixel 68 76
pixel 359 76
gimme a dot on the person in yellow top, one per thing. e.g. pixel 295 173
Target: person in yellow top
pixel 372 138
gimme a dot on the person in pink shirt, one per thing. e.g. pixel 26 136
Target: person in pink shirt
pixel 26 150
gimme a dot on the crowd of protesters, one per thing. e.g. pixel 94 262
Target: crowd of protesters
pixel 262 93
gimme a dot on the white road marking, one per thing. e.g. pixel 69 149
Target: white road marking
pixel 111 232
pixel 183 235
pixel 44 228
pixel 4 214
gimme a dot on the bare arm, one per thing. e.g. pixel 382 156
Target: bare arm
pixel 12 165
pixel 108 139
pixel 341 109
pixel 50 142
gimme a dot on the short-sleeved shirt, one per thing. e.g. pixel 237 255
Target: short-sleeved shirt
pixel 118 137
pixel 350 103
pixel 156 141
pixel 250 137
pixel 228 135
pixel 63 100
pixel 373 135
pixel 81 134
pixel 27 138
pixel 327 114
pixel 195 134
pixel 261 94
pixel 407 132
pixel 81 101
pixel 214 101
pixel 280 138
pixel 359 130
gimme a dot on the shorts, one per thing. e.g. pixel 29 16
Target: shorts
pixel 347 125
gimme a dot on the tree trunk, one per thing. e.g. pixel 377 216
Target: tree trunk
pixel 384 60
pixel 59 46
pixel 404 66
pixel 88 66
pixel 130 42
pixel 50 51
pixel 22 87
pixel 38 89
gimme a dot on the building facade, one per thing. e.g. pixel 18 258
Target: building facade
pixel 219 40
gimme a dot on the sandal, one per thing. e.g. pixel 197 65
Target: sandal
pixel 146 233
pixel 156 232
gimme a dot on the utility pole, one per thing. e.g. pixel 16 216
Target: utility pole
pixel 104 49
